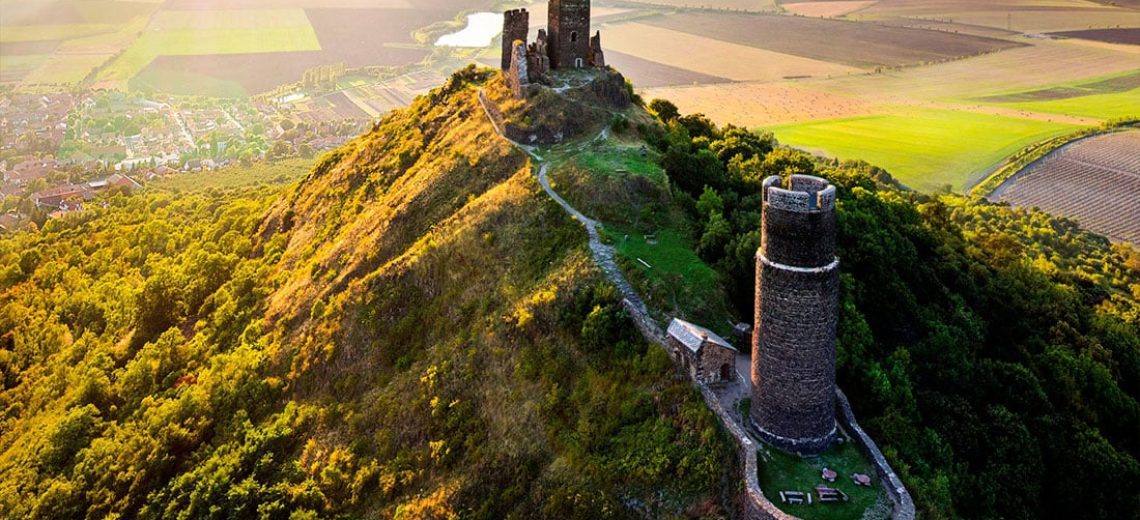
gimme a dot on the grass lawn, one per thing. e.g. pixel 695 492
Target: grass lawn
pixel 208 41
pixel 1105 106
pixel 779 471
pixel 924 148
pixel 678 282
pixel 608 157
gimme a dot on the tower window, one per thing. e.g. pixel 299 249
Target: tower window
pixel 573 36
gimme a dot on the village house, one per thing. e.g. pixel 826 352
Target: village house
pixel 70 197
pixel 706 357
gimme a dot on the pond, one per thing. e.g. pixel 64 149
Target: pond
pixel 481 29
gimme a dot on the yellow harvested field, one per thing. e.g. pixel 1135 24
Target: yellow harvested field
pixel 828 9
pixel 1029 16
pixel 715 57
pixel 1051 21
pixel 760 104
pixel 1012 69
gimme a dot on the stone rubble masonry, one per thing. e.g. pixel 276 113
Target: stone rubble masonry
pixel 597 56
pixel 538 59
pixel 797 298
pixel 517 77
pixel 568 24
pixel 516 25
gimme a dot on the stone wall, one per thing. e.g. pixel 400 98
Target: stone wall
pixel 756 506
pixel 902 504
pixel 516 25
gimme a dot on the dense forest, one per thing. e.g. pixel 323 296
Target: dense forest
pixel 993 352
pixel 414 330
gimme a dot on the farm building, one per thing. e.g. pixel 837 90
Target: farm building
pixel 707 358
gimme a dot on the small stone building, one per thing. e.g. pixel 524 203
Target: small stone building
pixel 706 357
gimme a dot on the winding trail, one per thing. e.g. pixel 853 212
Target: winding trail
pixel 604 255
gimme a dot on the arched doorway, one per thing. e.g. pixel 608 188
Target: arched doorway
pixel 726 372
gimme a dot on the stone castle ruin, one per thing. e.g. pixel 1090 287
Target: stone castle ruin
pixel 566 43
pixel 797 308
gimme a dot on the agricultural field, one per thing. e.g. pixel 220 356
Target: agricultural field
pixel 714 57
pixel 208 33
pixel 722 5
pixel 832 9
pixel 924 148
pixel 1022 16
pixel 1130 36
pixel 356 37
pixel 1095 181
pixel 53 43
pixel 214 48
pixel 836 41
pixel 1007 94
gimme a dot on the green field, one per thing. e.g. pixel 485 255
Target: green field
pixel 926 149
pixel 779 471
pixel 1104 106
pixel 208 41
pixel 65 69
pixel 22 62
pixel 186 84
pixel 39 33
pixel 175 20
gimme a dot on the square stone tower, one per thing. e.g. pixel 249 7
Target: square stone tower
pixel 797 311
pixel 516 24
pixel 569 34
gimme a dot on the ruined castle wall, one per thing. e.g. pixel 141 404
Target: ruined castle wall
pixel 517 76
pixel 569 32
pixel 902 506
pixel 797 295
pixel 516 25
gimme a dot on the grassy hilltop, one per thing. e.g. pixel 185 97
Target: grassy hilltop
pixel 414 330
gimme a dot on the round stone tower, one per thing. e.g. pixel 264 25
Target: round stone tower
pixel 797 307
pixel 516 25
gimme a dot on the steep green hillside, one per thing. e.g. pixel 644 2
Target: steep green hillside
pixel 413 330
